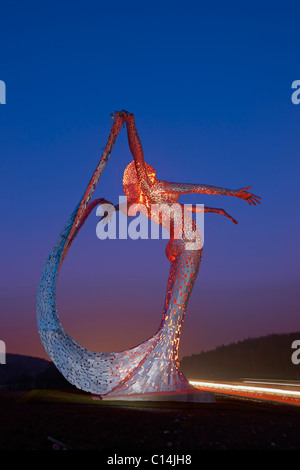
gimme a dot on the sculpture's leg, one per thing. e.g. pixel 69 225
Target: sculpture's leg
pixel 159 370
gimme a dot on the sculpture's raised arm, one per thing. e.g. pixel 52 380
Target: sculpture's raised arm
pixel 136 150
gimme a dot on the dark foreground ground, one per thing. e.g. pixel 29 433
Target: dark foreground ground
pixel 229 424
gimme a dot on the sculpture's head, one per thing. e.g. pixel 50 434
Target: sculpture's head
pixel 131 185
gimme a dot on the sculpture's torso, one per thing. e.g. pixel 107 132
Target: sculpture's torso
pixel 160 205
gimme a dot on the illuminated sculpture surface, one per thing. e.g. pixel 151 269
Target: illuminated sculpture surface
pixel 152 366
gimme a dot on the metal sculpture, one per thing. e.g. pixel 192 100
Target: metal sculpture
pixel 152 366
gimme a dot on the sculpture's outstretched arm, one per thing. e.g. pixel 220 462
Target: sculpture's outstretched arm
pixel 117 125
pixel 186 188
pixel 136 150
pixel 195 209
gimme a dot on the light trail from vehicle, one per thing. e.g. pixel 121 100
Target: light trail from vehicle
pixel 272 383
pixel 253 392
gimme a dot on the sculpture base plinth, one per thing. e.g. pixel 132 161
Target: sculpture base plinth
pixel 189 396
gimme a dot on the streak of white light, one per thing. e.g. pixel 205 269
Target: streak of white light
pixel 245 388
pixel 270 383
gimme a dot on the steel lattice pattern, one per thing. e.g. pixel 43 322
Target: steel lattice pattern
pixel 152 366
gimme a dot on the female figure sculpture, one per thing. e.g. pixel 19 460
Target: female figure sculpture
pixel 152 366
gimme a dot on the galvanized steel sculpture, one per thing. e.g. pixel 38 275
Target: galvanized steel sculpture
pixel 152 366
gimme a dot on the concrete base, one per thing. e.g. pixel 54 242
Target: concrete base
pixel 189 396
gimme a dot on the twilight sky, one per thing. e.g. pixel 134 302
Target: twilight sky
pixel 210 87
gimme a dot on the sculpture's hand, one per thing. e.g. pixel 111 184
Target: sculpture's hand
pixel 125 115
pixel 109 211
pixel 242 193
pixel 229 216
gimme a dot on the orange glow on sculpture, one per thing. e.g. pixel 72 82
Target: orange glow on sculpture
pixel 152 366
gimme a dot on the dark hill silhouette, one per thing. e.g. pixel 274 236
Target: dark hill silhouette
pixel 28 372
pixel 266 357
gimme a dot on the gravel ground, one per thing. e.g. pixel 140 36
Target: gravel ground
pixel 229 424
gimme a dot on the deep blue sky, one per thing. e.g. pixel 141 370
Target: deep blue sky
pixel 210 86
